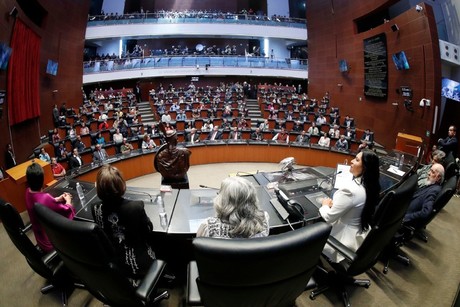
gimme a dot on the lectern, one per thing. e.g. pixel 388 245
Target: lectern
pixel 13 189
pixel 408 143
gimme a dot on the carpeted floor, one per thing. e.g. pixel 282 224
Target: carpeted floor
pixel 432 279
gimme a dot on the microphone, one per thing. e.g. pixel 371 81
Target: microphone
pixel 141 192
pixel 207 187
pixel 329 178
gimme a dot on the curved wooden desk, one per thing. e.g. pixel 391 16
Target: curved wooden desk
pixel 141 163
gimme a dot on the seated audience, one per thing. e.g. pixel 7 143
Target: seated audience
pixel 126 147
pixel 342 144
pixel 125 223
pixel 422 201
pixel 351 209
pixel 99 154
pixel 57 168
pixel 281 136
pixel 147 142
pixel 193 137
pixel 324 140
pixel 237 212
pixel 313 130
pixel 55 138
pixel 234 134
pixel 257 135
pixel 302 138
pixel 44 156
pixel 424 171
pixel 215 134
pixel 84 130
pixel 34 194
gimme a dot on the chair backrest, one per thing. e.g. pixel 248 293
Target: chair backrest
pixel 446 193
pixel 270 271
pixel 388 218
pixel 88 254
pixel 15 228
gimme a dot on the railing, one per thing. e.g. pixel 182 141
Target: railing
pixel 195 17
pixel 200 62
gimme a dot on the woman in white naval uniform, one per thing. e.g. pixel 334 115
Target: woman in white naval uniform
pixel 351 210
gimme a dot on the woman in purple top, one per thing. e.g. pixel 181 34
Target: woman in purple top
pixel 34 194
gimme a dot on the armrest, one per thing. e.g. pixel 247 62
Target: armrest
pixel 342 249
pixel 193 295
pixel 148 284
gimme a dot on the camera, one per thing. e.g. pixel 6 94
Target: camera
pixel 418 8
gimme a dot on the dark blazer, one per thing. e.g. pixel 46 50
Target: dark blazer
pixel 449 144
pixel 196 137
pixel 231 135
pixel 9 160
pixel 422 203
pixel 218 135
pixel 73 162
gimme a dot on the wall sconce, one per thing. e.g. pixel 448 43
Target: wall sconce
pixel 424 102
pixel 340 85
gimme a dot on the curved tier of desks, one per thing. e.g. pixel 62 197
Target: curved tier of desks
pixel 140 162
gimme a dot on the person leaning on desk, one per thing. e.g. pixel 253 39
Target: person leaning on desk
pixel 351 209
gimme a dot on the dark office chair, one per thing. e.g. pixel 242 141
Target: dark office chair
pixel 270 271
pixel 444 196
pixel 388 218
pixel 450 166
pixel 49 266
pixel 87 252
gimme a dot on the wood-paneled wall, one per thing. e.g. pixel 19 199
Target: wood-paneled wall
pixel 62 39
pixel 333 35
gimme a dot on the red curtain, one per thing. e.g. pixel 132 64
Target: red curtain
pixel 23 74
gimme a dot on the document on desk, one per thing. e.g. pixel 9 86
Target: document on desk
pixel 316 198
pixel 393 169
pixel 343 176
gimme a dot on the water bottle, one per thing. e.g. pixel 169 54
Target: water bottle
pixel 162 211
pixel 81 194
pixel 401 161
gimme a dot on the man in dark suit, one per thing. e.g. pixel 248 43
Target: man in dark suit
pixel 450 143
pixel 215 134
pixel 193 137
pixel 75 161
pixel 99 155
pixel 10 159
pixel 234 134
pixel 422 201
pixel 257 135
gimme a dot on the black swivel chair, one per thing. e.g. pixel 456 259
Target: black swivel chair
pixel 270 271
pixel 388 218
pixel 87 252
pixel 444 196
pixel 49 266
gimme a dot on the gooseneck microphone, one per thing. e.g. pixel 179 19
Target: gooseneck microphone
pixel 207 187
pixel 141 192
pixel 329 178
